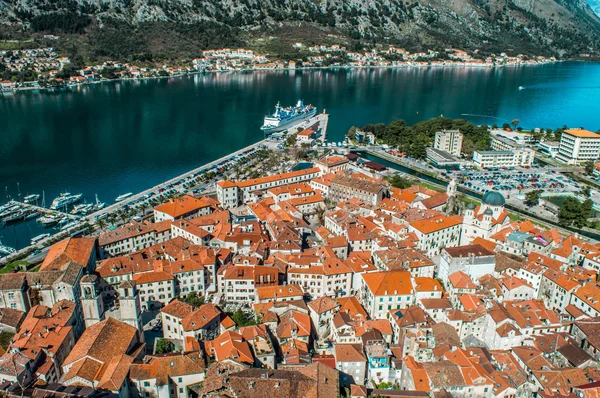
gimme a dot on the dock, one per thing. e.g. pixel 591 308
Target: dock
pixel 90 219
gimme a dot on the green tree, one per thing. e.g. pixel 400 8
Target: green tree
pixel 590 166
pixel 532 198
pixel 194 299
pixel 351 134
pixel 164 346
pixel 574 213
pixel 290 140
pixel 399 182
pixel 515 123
pixel 242 319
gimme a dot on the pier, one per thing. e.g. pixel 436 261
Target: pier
pixel 320 120
pixel 91 218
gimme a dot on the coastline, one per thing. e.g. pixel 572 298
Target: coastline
pixel 308 68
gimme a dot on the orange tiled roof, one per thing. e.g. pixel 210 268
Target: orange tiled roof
pixel 178 207
pixel 388 282
pixel 427 226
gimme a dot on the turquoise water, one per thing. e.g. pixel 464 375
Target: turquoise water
pixel 119 137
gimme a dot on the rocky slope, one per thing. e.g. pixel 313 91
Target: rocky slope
pixel 550 27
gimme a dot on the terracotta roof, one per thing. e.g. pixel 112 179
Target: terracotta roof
pixel 460 280
pixel 322 304
pixel 349 353
pixel 178 309
pixel 427 226
pixel 92 348
pixel 181 206
pixel 201 317
pixel 11 317
pixel 388 283
pixel 230 345
pixel 293 324
pixel 162 368
pixel 274 292
pixel 78 250
pixel 487 244
pixel 152 277
pixel 468 250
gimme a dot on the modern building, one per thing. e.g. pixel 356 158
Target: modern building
pixel 578 145
pixel 442 159
pixel 509 158
pixel 449 141
pixel 503 140
pixel 549 147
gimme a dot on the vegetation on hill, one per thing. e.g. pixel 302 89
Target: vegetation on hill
pixel 412 140
pixel 142 29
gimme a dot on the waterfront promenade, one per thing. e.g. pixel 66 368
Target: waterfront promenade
pixel 90 219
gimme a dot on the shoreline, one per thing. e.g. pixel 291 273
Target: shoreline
pixel 308 68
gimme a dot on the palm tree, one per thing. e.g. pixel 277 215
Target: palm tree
pixel 124 216
pixel 143 208
pixel 101 224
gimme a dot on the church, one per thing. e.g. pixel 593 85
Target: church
pixel 485 220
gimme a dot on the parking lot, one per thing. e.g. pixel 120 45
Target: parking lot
pixel 515 181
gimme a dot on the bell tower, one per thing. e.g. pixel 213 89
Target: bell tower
pixel 91 300
pixel 130 307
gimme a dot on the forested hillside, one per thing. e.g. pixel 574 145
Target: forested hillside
pixel 142 29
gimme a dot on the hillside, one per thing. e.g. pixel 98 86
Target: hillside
pixel 147 29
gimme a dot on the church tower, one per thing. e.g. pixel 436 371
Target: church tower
pixel 130 307
pixel 91 300
pixel 451 189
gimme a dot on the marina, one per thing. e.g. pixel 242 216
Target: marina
pixel 62 222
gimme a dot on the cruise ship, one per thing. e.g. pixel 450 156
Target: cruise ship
pixel 285 118
pixel 64 200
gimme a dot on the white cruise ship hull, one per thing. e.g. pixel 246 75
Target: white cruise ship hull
pixel 289 123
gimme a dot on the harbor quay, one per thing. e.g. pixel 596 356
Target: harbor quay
pixel 80 224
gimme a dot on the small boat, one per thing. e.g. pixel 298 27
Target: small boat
pixel 82 208
pixel 98 205
pixel 48 220
pixel 123 197
pixel 521 88
pixel 15 217
pixel 64 200
pixel 5 250
pixel 7 206
pixel 39 238
pixel 31 199
pixel 69 225
pixel 32 215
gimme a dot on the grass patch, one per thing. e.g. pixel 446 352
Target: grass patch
pixel 12 267
pixel 5 338
pixel 433 187
pixel 516 217
pixel 18 45
pixel 466 200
